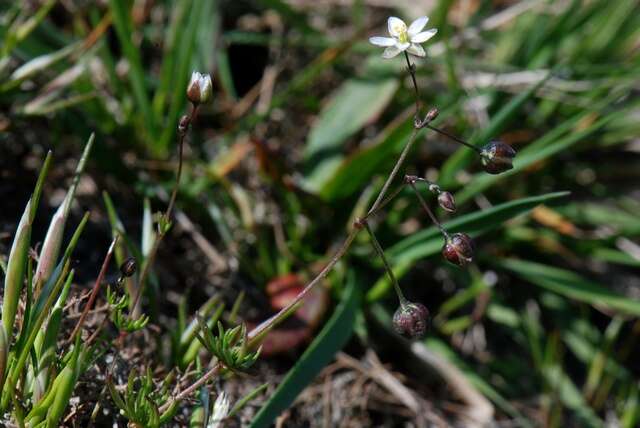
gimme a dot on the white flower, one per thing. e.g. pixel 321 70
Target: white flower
pixel 403 38
pixel 220 411
pixel 200 87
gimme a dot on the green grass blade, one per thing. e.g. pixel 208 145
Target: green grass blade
pixel 124 31
pixel 356 103
pixel 183 68
pixel 571 285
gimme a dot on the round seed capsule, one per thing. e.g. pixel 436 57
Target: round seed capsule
pixel 129 267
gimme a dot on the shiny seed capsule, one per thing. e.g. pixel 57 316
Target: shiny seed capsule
pixel 411 320
pixel 458 249
pixel 497 157
pixel 129 267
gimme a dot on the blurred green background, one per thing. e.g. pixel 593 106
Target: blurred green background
pixel 306 122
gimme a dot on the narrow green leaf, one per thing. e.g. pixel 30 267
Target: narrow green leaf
pixel 37 65
pixel 124 30
pixel 351 107
pixel 182 71
pixel 571 285
pixel 18 254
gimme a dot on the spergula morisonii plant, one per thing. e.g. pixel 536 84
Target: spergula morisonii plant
pixel 410 320
pixel 37 385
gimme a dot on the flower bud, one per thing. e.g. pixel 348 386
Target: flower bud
pixel 458 249
pixel 200 88
pixel 447 202
pixel 128 267
pixel 497 157
pixel 411 320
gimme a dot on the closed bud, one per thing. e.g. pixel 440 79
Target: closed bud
pixel 411 320
pixel 458 249
pixel 200 88
pixel 128 267
pixel 497 157
pixel 447 202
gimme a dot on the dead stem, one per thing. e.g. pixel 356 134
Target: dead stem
pixel 94 292
pixel 191 388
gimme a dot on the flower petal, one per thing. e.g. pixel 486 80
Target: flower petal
pixel 390 52
pixel 417 25
pixel 382 41
pixel 416 50
pixel 424 36
pixel 396 26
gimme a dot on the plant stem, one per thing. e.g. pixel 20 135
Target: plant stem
pixel 453 137
pixel 323 273
pixel 387 265
pixel 191 388
pixel 394 172
pixel 412 72
pixel 383 204
pixel 94 291
pixel 167 214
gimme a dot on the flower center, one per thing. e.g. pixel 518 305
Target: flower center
pixel 401 30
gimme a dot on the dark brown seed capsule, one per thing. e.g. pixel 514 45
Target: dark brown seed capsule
pixel 128 267
pixel 447 202
pixel 411 320
pixel 458 249
pixel 497 157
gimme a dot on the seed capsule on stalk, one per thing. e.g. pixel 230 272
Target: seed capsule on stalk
pixel 411 320
pixel 497 157
pixel 447 202
pixel 458 249
pixel 128 267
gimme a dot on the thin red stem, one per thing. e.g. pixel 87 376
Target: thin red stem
pixel 96 289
